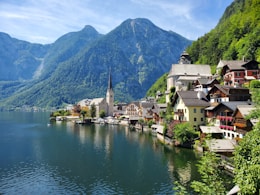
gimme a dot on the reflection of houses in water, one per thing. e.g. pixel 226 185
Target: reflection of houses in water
pixel 184 173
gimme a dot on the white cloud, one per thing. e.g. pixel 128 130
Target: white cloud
pixel 46 20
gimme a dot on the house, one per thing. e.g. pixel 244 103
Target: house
pixel 182 75
pixel 119 109
pixel 105 104
pixel 157 110
pixel 241 124
pixel 225 93
pixel 99 103
pixel 238 72
pixel 223 147
pixel 205 84
pixel 133 112
pixel 221 116
pixel 146 110
pixel 214 131
pixel 190 106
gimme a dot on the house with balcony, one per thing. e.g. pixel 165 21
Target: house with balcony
pixel 189 106
pixel 225 93
pixel 238 72
pixel 241 124
pixel 221 116
pixel 133 112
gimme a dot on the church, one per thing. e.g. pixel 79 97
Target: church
pixel 106 104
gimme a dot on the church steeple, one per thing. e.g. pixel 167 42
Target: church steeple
pixel 110 96
pixel 109 81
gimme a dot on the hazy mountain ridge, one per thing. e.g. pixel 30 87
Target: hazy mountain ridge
pixel 19 59
pixel 76 66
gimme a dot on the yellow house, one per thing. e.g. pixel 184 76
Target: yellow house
pixel 189 107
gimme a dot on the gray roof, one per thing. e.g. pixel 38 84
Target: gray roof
pixel 204 81
pixel 210 129
pixel 221 145
pixel 226 88
pixel 233 104
pixel 147 104
pixel 190 98
pixel 190 69
pixel 231 63
pixel 96 101
pixel 245 110
pixel 188 78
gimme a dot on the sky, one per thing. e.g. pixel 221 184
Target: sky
pixel 44 21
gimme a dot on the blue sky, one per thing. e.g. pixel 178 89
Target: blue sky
pixel 44 21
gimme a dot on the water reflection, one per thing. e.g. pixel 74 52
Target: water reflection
pixel 64 158
pixel 181 163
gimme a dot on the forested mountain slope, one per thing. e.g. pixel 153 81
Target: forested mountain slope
pixel 237 35
pixel 76 66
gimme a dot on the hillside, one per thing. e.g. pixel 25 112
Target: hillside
pixel 237 35
pixel 19 59
pixel 76 66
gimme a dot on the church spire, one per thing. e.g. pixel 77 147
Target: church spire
pixel 109 80
pixel 110 96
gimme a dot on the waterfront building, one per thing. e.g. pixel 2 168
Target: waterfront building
pixel 189 106
pixel 182 75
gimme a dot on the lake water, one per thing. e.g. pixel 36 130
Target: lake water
pixel 65 158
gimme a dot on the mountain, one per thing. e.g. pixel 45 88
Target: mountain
pixel 19 59
pixel 237 35
pixel 76 66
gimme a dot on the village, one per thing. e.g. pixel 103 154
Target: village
pixel 193 95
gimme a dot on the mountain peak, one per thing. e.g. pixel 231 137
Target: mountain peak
pixel 89 28
pixel 138 22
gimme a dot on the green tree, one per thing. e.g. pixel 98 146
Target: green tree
pixel 247 155
pixel 184 133
pixel 93 110
pixel 150 123
pixel 83 114
pixel 211 182
pixel 179 189
pixel 102 114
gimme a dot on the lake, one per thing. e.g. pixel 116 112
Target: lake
pixel 64 158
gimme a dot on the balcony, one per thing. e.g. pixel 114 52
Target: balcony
pixel 227 127
pixel 179 113
pixel 225 118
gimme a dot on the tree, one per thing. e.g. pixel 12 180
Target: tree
pixel 184 133
pixel 247 163
pixel 211 182
pixel 247 155
pixel 102 114
pixel 83 114
pixel 92 110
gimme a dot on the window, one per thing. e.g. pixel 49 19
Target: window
pixel 201 119
pixel 194 110
pixel 195 119
pixel 201 110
